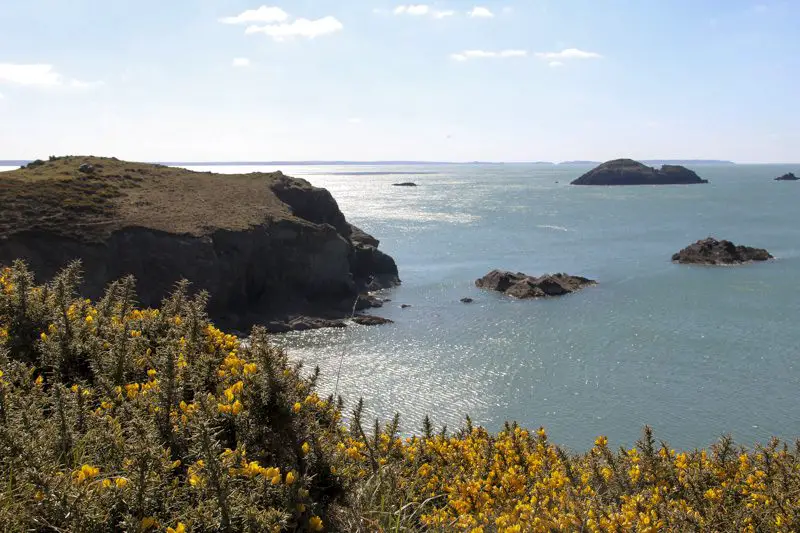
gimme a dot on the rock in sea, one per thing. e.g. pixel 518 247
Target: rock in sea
pixel 405 184
pixel 630 172
pixel 710 251
pixel 369 320
pixel 787 177
pixel 523 286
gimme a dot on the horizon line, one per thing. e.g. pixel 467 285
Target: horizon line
pixel 14 162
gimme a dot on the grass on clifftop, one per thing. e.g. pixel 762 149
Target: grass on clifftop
pixel 56 197
pixel 117 418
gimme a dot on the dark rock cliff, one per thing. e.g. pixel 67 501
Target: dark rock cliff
pixel 265 246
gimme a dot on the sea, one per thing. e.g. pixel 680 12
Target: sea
pixel 694 352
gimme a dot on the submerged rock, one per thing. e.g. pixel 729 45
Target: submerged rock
pixel 264 245
pixel 630 172
pixel 710 251
pixel 467 300
pixel 787 177
pixel 523 286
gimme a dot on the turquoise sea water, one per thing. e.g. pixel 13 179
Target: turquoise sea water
pixel 693 351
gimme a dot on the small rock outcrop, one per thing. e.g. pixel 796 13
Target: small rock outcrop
pixel 787 177
pixel 711 251
pixel 267 247
pixel 303 323
pixel 369 320
pixel 523 286
pixel 405 184
pixel 630 172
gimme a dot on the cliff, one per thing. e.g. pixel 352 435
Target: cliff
pixel 265 245
pixel 630 172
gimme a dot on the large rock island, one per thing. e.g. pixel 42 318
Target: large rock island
pixel 787 177
pixel 711 251
pixel 630 172
pixel 266 246
pixel 523 286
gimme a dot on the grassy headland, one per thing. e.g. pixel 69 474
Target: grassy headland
pixel 57 197
pixel 117 418
pixel 268 247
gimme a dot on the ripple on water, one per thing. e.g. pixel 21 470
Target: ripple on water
pixel 695 352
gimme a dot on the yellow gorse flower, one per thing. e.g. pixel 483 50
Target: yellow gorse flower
pixel 315 523
pixel 85 473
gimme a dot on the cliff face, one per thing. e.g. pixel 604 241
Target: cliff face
pixel 630 172
pixel 266 246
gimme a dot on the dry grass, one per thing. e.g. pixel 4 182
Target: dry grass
pixel 54 196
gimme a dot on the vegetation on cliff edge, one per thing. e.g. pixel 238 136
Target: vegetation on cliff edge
pixel 118 418
pixel 87 198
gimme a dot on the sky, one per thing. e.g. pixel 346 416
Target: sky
pixel 448 80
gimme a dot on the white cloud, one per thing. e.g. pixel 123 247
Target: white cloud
pixel 241 62
pixel 568 53
pixel 354 120
pixel 263 14
pixel 299 28
pixel 480 12
pixel 417 9
pixel 481 54
pixel 555 64
pixel 39 75
pixel 78 84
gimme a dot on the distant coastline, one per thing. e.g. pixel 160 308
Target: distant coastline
pixel 20 162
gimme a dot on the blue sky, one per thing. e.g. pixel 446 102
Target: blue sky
pixel 451 80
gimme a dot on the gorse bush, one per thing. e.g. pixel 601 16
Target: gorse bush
pixel 118 418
